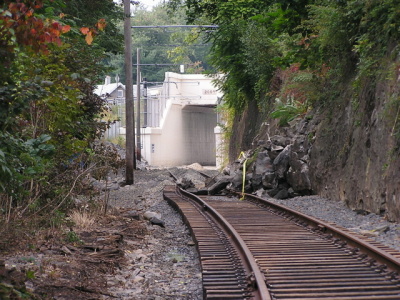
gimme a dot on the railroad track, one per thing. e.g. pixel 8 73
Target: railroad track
pixel 254 249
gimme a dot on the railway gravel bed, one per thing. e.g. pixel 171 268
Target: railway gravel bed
pixel 169 267
pixel 299 257
pixel 166 266
pixel 371 225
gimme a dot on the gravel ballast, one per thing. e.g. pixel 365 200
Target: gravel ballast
pixel 166 265
pixel 374 226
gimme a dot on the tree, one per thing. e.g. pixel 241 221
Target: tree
pixel 289 56
pixel 163 45
pixel 233 52
pixel 86 13
pixel 49 113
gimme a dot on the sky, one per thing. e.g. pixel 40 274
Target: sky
pixel 148 3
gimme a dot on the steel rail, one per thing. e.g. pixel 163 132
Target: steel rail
pixel 352 240
pixel 297 256
pixel 246 255
pixel 300 260
pixel 223 274
pixel 253 271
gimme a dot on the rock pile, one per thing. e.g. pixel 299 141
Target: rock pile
pixel 278 167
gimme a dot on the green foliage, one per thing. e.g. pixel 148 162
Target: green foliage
pixel 189 50
pixel 163 46
pixel 57 219
pixel 305 53
pixel 288 111
pixel 22 161
pixel 247 47
pixel 8 291
pixel 120 141
pixel 48 111
pixel 86 13
pixel 30 274
pixel 72 237
pixel 331 39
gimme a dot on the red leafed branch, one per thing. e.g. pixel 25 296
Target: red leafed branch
pixel 91 32
pixel 22 27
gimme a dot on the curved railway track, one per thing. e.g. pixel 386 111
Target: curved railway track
pixel 254 249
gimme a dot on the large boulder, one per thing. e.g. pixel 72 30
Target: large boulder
pixel 281 162
pixel 274 151
pixel 262 165
pixel 299 178
pixel 298 175
pixel 237 180
pixel 220 185
pixel 269 180
pixel 280 140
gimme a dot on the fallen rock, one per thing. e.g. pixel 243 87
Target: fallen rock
pixel 281 162
pixel 280 140
pixel 299 178
pixel 274 151
pixel 185 183
pixel 158 222
pixel 219 185
pixel 150 214
pixel 381 229
pixel 369 233
pixel 361 212
pixel 269 180
pixel 195 166
pixel 138 279
pixel 237 180
pixel 202 191
pixel 273 192
pixel 192 190
pixel 262 165
pixel 282 194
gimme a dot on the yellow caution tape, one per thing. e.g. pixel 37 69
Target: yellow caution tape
pixel 244 174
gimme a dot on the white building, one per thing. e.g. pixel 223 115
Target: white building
pixel 179 122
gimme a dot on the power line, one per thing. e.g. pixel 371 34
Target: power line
pixel 178 45
pixel 175 26
pixel 162 65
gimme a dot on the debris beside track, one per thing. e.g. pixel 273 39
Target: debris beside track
pixel 159 263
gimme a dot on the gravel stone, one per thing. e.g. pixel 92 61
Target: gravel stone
pixel 167 265
pixel 370 225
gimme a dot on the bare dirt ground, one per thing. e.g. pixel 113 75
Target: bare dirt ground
pixel 63 263
pixel 93 255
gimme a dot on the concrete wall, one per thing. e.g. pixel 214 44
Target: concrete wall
pixel 219 147
pixel 198 133
pixel 162 146
pixel 186 137
pixel 191 89
pixel 185 118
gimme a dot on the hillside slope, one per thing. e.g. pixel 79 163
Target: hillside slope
pixel 352 145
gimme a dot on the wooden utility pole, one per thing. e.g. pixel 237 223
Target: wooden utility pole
pixel 130 134
pixel 138 140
